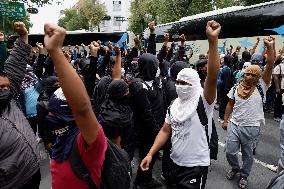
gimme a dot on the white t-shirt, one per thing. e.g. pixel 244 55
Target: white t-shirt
pixel 248 112
pixel 279 70
pixel 189 142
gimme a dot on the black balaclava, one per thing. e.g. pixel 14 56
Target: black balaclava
pixel 164 67
pixel 177 67
pixel 115 111
pixel 49 85
pixel 117 90
pixel 148 66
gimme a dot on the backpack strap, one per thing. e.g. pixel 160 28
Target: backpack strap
pixel 203 117
pixel 79 168
pixel 258 88
pixel 260 92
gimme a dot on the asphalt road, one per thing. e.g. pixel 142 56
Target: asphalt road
pixel 267 153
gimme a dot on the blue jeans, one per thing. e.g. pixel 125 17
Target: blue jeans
pixel 245 138
pixel 281 161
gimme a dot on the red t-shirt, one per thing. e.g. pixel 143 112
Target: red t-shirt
pixel 93 157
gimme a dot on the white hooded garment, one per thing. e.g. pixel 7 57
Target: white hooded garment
pixel 188 95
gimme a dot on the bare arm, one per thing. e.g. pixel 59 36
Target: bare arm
pixel 77 99
pixel 277 83
pixel 116 72
pixel 228 111
pixel 255 45
pixel 266 75
pixel 160 140
pixel 212 30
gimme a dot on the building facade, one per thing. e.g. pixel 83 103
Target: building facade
pixel 118 11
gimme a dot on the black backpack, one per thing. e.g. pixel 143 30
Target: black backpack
pixel 116 168
pixel 213 143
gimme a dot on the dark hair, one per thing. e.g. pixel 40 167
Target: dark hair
pixel 3 73
pixel 200 63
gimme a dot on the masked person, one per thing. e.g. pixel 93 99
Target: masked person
pixel 50 85
pixel 246 105
pixel 116 116
pixel 190 152
pixel 19 160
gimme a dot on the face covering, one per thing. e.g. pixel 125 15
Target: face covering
pixel 188 95
pixel 183 91
pixel 248 83
pixel 5 98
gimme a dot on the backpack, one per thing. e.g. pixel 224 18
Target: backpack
pixel 277 182
pixel 116 168
pixel 213 143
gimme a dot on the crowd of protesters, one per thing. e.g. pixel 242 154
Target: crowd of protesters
pixel 139 98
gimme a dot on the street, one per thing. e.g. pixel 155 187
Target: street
pixel 267 153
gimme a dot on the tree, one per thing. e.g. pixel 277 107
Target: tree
pixel 8 23
pixel 83 18
pixel 38 2
pixel 164 11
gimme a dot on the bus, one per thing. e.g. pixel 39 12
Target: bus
pixel 241 25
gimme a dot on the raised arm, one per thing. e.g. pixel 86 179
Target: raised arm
pixel 255 46
pixel 116 72
pixel 213 29
pixel 78 99
pixel 3 50
pixel 266 75
pixel 152 39
pixel 16 63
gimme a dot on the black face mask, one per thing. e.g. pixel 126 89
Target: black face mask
pixel 5 98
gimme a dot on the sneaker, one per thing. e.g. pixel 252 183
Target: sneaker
pixel 147 185
pixel 221 120
pixel 272 168
pixel 277 119
pixel 231 174
pixel 243 183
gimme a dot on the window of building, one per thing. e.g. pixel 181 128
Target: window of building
pixel 116 5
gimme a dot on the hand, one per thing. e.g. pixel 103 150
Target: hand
pixel 182 38
pixel 21 29
pixel 238 48
pixel 258 38
pixel 269 42
pixel 1 36
pixel 39 47
pixel 225 125
pixel 167 37
pixel 54 37
pixel 49 147
pixel 144 165
pixel 67 56
pixel 117 50
pixel 173 45
pixel 109 46
pixel 231 47
pixel 94 48
pixel 151 26
pixel 213 29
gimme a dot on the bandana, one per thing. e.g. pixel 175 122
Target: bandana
pixel 248 83
pixel 188 95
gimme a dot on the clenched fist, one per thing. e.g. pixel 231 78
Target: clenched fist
pixel 213 29
pixel 54 37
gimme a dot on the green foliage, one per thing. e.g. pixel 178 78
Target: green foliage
pixel 8 26
pixel 164 11
pixel 83 18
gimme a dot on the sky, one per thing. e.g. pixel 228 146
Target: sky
pixel 48 14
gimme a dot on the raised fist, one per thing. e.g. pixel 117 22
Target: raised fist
pixel 151 26
pixel 213 29
pixel 269 42
pixel 1 36
pixel 20 28
pixel 182 38
pixel 54 37
pixel 117 50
